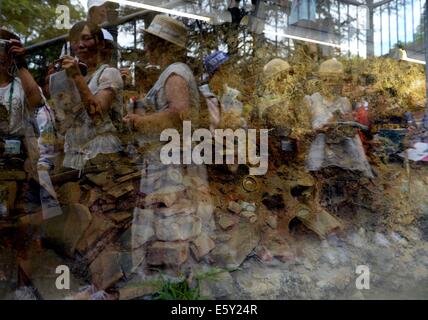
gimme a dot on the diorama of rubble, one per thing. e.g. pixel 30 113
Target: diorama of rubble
pixel 289 234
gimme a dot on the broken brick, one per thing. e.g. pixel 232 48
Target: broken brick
pixel 201 246
pixel 172 254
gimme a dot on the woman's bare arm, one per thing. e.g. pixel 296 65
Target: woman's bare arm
pixel 178 97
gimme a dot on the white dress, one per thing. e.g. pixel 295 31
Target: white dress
pixel 160 181
pixel 84 139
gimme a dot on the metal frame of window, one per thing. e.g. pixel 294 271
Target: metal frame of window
pixel 340 8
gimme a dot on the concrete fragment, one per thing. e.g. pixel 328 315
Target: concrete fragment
pixel 234 207
pixel 244 238
pixel 122 189
pixel 205 212
pixel 138 256
pixel 218 287
pixel 322 222
pixel 69 193
pixel 69 228
pixel 106 269
pixel 201 246
pixel 102 179
pixel 272 221
pixel 261 283
pixel 251 216
pixel 126 263
pixel 174 176
pixel 381 240
pixel 183 207
pixel 142 227
pixel 398 239
pixel 194 181
pixel 279 248
pixel 263 253
pixel 91 197
pixel 128 177
pixel 226 221
pixel 123 170
pixel 172 254
pixel 136 289
pixel 40 268
pixel 98 229
pixel 247 206
pixel 178 228
pixel 356 240
pixel 120 217
pixel 166 196
pixel 223 237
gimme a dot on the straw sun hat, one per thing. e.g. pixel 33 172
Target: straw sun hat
pixel 95 3
pixel 331 67
pixel 274 67
pixel 168 29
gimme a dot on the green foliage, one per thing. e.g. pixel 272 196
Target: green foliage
pixel 182 290
pixel 176 291
pixel 400 84
pixel 34 21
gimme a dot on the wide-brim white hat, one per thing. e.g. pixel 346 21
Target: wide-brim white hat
pixel 95 3
pixel 331 68
pixel 274 67
pixel 169 29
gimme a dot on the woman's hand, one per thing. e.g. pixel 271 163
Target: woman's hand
pixel 71 66
pixel 94 108
pixel 133 120
pixel 17 52
pixel 126 75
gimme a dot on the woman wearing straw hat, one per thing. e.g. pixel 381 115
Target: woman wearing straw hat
pixel 176 90
pixel 173 99
pixel 97 11
pixel 174 96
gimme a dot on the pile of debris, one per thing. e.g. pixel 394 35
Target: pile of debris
pixel 95 210
pixel 121 225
